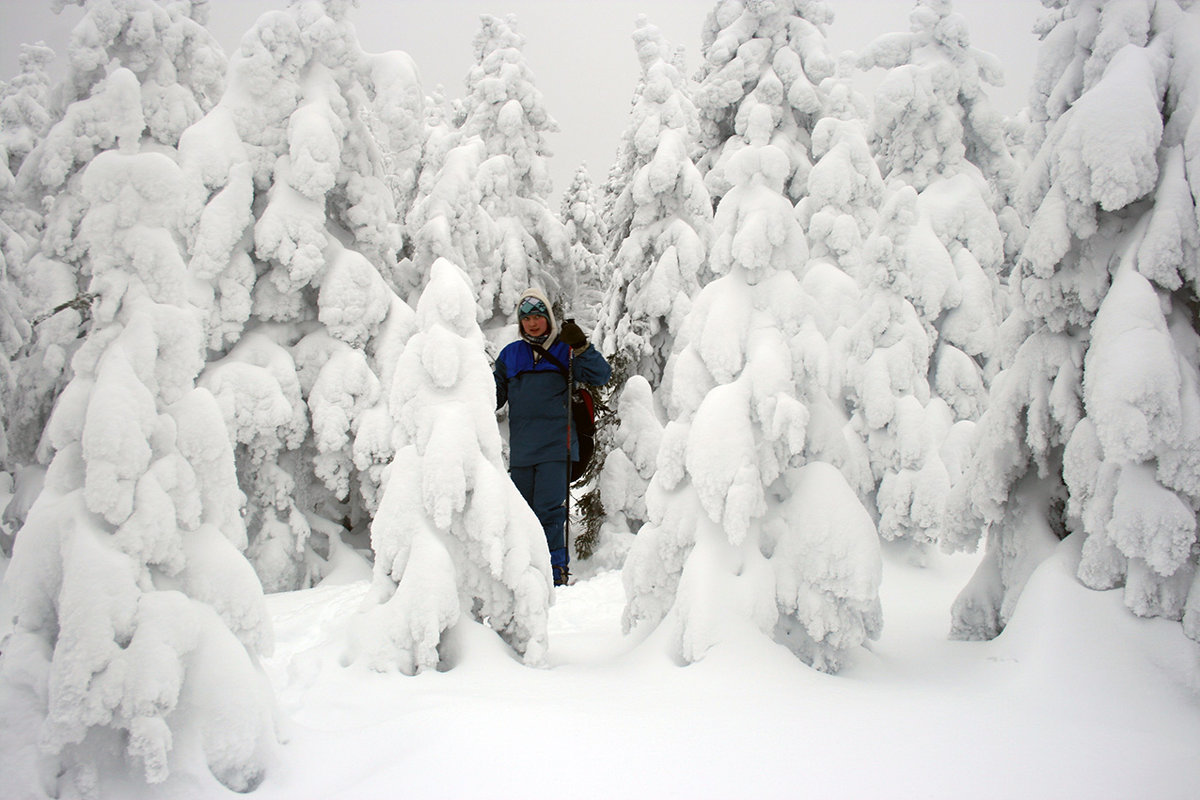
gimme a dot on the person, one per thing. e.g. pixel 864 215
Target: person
pixel 531 376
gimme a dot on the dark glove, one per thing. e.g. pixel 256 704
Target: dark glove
pixel 572 335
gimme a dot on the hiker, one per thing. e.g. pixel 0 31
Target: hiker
pixel 531 376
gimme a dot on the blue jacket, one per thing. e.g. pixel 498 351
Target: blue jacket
pixel 536 392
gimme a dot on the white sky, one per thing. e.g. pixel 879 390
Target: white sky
pixel 580 51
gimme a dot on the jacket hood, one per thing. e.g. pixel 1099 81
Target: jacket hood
pixel 552 328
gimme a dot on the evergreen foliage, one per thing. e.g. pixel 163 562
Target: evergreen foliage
pixel 453 536
pixel 662 218
pixel 588 236
pixel 768 56
pixel 931 268
pixel 484 206
pixel 138 623
pixel 1090 429
pixel 751 530
pixel 660 214
pixel 246 307
pixel 135 68
pixel 295 236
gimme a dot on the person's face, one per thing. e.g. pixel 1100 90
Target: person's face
pixel 534 326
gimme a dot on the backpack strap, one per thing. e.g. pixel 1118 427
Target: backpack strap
pixel 544 353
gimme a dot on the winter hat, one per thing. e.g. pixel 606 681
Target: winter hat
pixel 532 307
pixel 535 304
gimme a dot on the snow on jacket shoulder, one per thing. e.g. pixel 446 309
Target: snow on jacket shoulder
pixel 536 392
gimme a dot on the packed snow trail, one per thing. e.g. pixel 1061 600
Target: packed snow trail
pixel 613 716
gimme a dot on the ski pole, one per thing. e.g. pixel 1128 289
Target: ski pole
pixel 570 399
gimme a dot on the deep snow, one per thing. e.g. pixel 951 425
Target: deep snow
pixel 1076 699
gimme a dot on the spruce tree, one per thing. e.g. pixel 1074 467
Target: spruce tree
pixel 630 457
pixel 485 206
pixel 14 332
pixel 751 531
pixel 661 220
pixel 294 235
pixel 923 350
pixel 839 212
pixel 24 109
pixel 24 120
pixel 769 55
pixel 588 237
pixel 138 622
pixel 1091 429
pixel 453 537
pixel 448 219
pixel 444 212
pixel 177 72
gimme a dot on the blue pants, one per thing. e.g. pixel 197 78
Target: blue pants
pixel 544 487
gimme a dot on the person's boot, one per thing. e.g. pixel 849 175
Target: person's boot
pixel 561 574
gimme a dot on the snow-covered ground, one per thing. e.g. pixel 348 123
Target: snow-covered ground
pixel 1077 699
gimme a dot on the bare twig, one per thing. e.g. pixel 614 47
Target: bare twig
pixel 81 303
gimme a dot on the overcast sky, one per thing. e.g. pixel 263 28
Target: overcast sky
pixel 580 51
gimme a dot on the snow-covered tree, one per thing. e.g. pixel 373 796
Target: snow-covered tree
pixel 630 460
pixel 750 530
pixel 589 274
pixel 661 219
pixel 24 107
pixel 444 211
pixel 448 219
pixel 931 274
pixel 588 238
pixel 844 188
pixel 1093 428
pixel 839 212
pixel 487 207
pixel 138 622
pixel 295 237
pixel 505 109
pixel 762 54
pixel 628 159
pixel 179 66
pixel 580 213
pixel 14 332
pixel 934 129
pixel 932 115
pixel 453 537
pixel 131 62
pixel 24 120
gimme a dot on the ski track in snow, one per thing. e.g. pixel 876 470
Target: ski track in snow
pixel 1062 710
